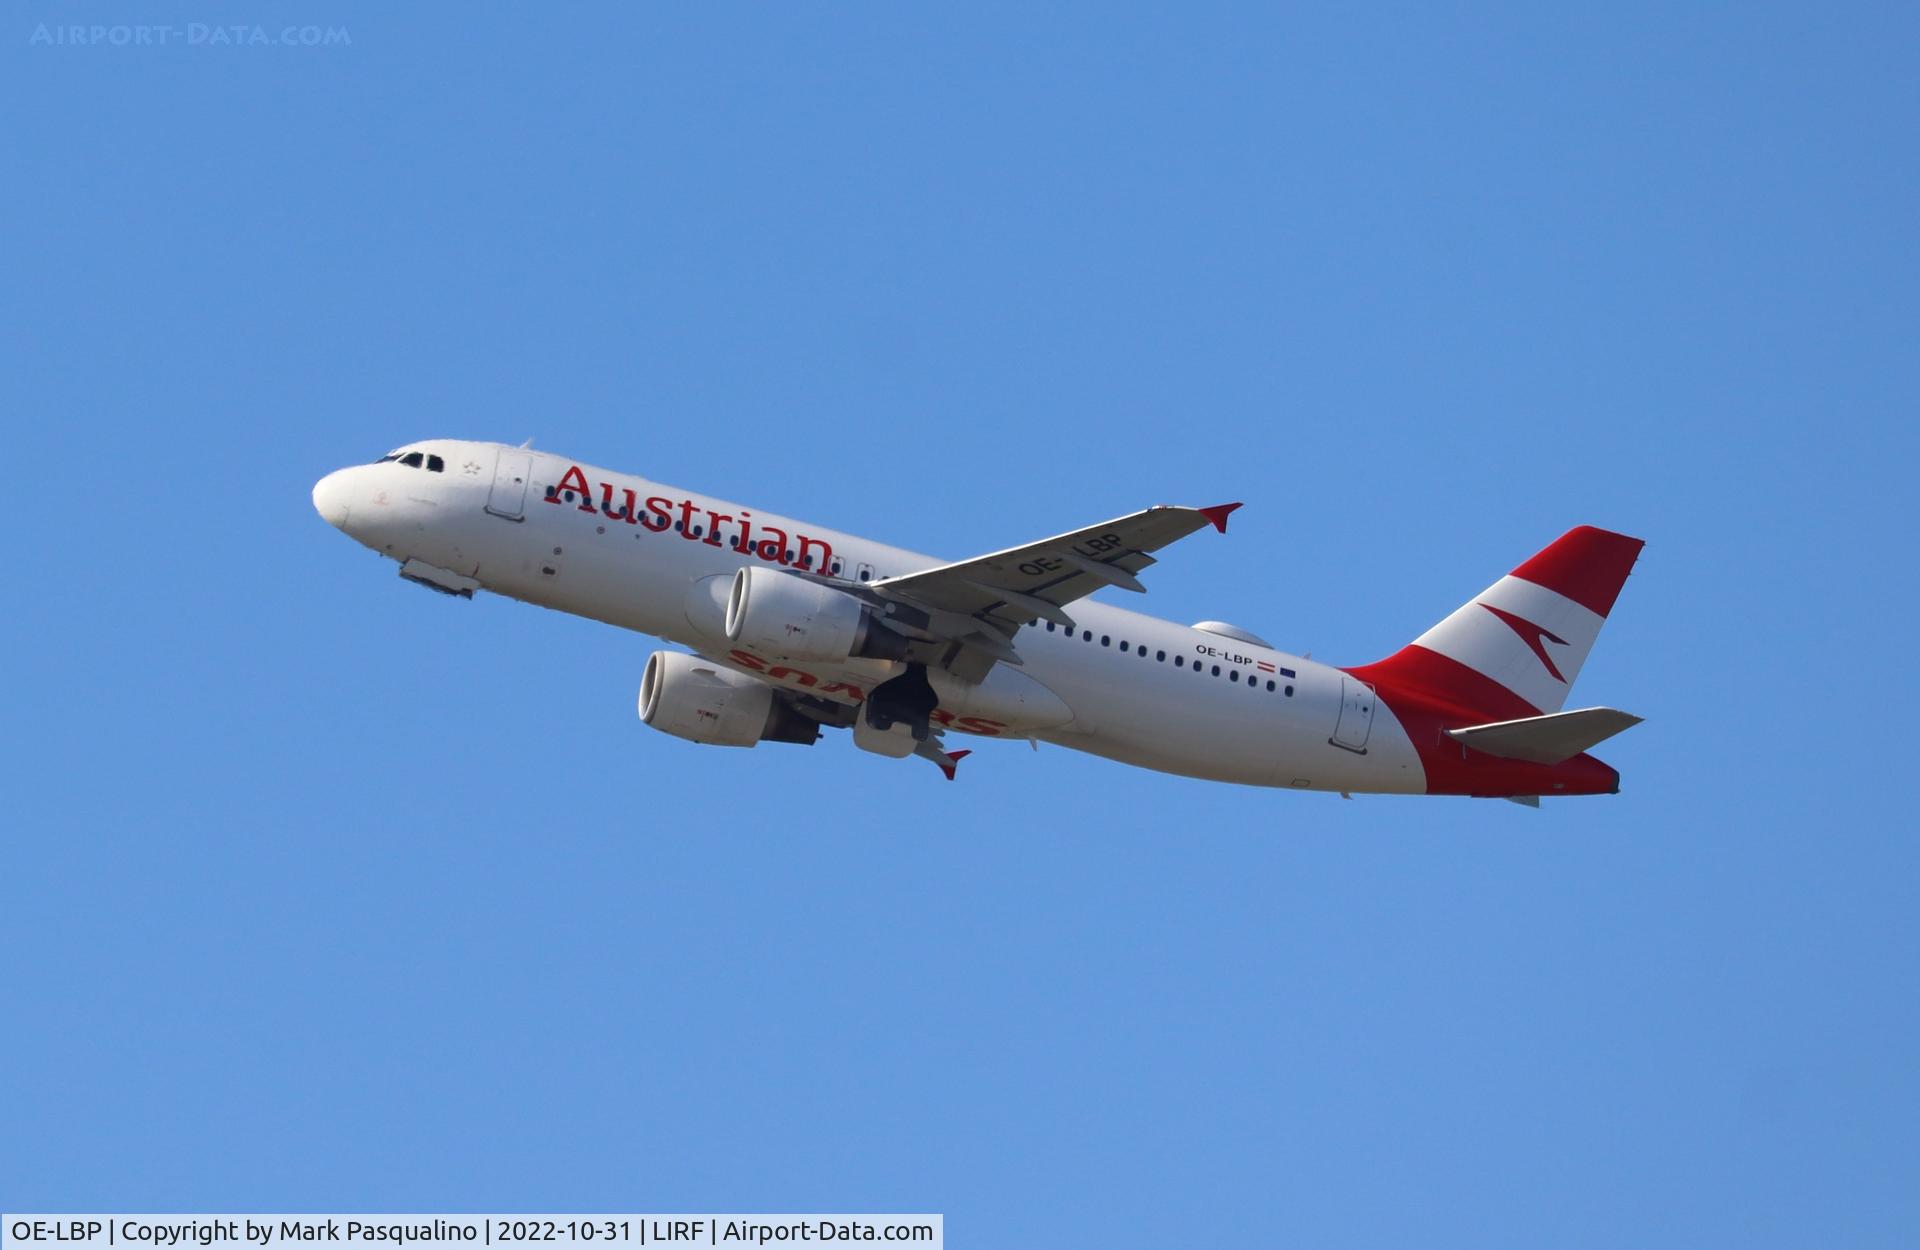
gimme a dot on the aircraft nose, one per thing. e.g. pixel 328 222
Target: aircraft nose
pixel 332 498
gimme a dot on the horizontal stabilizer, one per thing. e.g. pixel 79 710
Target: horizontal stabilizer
pixel 1546 739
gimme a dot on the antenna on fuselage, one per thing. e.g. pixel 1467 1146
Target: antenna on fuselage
pixel 524 446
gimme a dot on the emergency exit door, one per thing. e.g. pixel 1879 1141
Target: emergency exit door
pixel 508 498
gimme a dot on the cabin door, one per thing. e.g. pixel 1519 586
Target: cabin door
pixel 1356 715
pixel 508 498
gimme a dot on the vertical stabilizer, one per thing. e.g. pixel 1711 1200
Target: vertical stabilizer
pixel 1515 649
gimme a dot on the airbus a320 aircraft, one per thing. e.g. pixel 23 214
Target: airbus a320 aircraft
pixel 794 628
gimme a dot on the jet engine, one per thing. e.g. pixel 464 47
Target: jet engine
pixel 689 698
pixel 791 618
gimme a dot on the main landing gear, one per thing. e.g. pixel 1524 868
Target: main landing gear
pixel 897 716
pixel 897 721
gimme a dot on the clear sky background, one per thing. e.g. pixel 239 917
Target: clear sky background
pixel 323 892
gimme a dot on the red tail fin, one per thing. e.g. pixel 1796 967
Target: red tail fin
pixel 1515 649
pixel 1587 565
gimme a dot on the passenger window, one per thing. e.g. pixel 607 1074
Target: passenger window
pixel 1106 640
pixel 1160 657
pixel 1269 687
pixel 436 465
pixel 1216 670
pixel 412 461
pixel 1123 644
pixel 1179 661
pixel 1289 692
pixel 1234 675
pixel 1086 635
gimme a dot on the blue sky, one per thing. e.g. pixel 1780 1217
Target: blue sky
pixel 324 893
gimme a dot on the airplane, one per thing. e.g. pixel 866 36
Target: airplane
pixel 791 629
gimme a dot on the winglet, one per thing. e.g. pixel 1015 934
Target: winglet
pixel 1218 514
pixel 953 762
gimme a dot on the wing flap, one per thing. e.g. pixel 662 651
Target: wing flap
pixel 1009 588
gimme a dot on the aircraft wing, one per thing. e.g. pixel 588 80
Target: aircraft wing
pixel 981 603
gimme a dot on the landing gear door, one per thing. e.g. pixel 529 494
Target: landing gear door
pixel 1356 715
pixel 509 495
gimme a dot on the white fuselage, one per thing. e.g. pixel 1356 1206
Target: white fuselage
pixel 643 556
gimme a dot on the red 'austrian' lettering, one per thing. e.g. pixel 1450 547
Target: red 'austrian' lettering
pixel 769 543
pixel 574 479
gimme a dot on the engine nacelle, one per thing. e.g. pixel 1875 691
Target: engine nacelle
pixel 689 698
pixel 791 618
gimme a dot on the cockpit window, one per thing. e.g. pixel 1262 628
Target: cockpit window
pixel 414 460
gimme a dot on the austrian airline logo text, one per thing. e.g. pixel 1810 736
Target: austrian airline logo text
pixel 695 523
